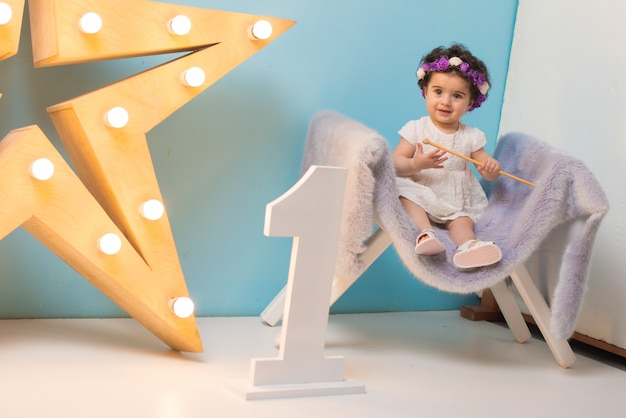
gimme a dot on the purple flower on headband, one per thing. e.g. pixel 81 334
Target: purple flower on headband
pixel 479 100
pixel 440 65
pixel 477 78
pixel 464 67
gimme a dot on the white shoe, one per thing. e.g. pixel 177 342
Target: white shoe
pixel 428 246
pixel 475 253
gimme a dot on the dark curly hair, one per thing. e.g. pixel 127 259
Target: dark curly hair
pixel 457 50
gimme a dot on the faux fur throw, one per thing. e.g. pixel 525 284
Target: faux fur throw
pixel 518 218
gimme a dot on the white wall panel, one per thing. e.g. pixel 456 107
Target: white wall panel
pixel 567 86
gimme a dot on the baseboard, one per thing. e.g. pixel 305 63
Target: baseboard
pixel 585 339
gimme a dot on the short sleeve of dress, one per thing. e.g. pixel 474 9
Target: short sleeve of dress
pixel 409 131
pixel 478 138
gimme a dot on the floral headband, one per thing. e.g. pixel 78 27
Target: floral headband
pixel 442 64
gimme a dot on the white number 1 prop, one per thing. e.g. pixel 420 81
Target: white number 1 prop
pixel 311 213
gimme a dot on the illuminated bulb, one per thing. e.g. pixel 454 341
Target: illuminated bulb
pixel 6 13
pixel 152 209
pixel 183 307
pixel 261 30
pixel 110 244
pixel 193 77
pixel 117 117
pixel 90 23
pixel 179 25
pixel 42 169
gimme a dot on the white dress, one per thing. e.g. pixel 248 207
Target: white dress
pixel 450 192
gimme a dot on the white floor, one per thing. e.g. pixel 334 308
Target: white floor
pixel 422 364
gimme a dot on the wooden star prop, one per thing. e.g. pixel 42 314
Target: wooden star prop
pixel 108 220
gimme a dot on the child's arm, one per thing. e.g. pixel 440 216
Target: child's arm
pixel 489 167
pixel 409 160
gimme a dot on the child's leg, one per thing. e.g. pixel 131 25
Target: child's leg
pixel 416 213
pixel 426 242
pixel 471 252
pixel 461 230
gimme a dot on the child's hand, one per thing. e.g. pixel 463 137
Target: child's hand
pixel 433 159
pixel 489 169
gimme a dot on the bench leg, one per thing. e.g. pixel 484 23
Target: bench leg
pixel 538 308
pixel 511 312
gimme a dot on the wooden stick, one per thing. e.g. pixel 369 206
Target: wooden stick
pixel 471 160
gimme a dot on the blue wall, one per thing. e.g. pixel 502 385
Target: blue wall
pixel 221 158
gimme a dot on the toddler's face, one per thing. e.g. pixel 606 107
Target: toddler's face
pixel 448 98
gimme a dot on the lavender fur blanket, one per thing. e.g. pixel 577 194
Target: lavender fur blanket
pixel 518 218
